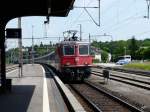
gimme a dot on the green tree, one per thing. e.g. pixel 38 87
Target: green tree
pixel 147 53
pixel 41 45
pixel 104 56
pixel 145 42
pixel 133 47
pixel 140 54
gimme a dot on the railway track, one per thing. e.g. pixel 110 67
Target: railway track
pixel 124 70
pixel 87 104
pixel 131 79
pixel 10 68
pixel 102 101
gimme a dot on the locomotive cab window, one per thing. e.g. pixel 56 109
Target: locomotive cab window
pixel 83 49
pixel 68 50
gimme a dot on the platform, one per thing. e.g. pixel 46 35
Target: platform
pixel 34 92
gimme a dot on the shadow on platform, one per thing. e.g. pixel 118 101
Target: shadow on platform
pixel 18 100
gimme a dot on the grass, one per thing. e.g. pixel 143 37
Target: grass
pixel 141 66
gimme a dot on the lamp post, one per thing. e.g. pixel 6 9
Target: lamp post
pixel 20 51
pixel 32 47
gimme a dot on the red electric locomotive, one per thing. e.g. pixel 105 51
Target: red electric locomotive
pixel 73 59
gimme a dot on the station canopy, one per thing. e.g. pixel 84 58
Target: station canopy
pixel 10 9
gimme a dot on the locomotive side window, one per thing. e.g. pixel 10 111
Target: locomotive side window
pixel 83 49
pixel 68 50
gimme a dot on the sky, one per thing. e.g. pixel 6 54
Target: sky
pixel 119 18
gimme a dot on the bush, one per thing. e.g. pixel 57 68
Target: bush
pixel 96 61
pixel 104 56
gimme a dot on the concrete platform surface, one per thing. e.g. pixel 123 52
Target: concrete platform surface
pixel 31 93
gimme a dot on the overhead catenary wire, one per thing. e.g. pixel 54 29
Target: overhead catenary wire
pixel 118 25
pixel 48 37
pixel 80 15
pixel 124 21
pixel 110 6
pixel 130 5
pixel 114 26
pixel 87 13
pixel 104 28
pixel 99 6
pixel 148 8
pixel 142 33
pixel 98 24
pixel 117 14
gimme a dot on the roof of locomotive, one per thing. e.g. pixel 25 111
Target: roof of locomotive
pixel 74 42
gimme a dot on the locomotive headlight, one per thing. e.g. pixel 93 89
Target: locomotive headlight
pixel 77 59
pixel 86 63
pixel 68 63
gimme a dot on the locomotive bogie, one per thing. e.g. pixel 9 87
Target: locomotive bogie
pixel 75 73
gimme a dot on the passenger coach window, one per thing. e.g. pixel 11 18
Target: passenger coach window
pixel 83 49
pixel 68 50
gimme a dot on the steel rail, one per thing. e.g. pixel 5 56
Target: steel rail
pixel 123 77
pixel 136 72
pixel 126 82
pixel 131 107
pixel 11 68
pixel 90 103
